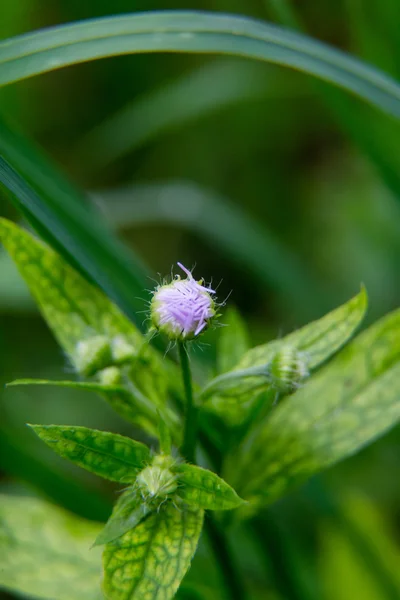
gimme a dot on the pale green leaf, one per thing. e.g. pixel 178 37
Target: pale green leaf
pixel 128 512
pixel 150 561
pixel 192 31
pixel 348 404
pixel 233 341
pixel 204 489
pixel 94 333
pixel 108 455
pixel 45 551
pixel 231 394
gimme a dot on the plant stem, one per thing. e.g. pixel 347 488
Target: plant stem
pixel 217 538
pixel 190 433
pixel 233 583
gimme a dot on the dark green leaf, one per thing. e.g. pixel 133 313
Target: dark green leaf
pixel 108 455
pixel 151 560
pixel 45 551
pixel 204 489
pixel 62 216
pixel 348 404
pixel 192 31
pixel 127 513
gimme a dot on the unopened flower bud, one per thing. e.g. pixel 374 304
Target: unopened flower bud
pixel 287 369
pixel 110 376
pixel 183 308
pixel 156 482
pixel 92 355
pixel 122 351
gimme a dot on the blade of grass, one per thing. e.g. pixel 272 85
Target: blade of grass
pixel 375 135
pixel 199 32
pixel 62 216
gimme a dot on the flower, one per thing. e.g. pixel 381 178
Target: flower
pixel 183 308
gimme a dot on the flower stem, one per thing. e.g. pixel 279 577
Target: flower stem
pixel 190 433
pixel 218 541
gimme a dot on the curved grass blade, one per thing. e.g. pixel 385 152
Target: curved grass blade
pixel 191 31
pixel 109 455
pixel 63 218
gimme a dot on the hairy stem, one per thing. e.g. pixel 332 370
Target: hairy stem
pixel 190 432
pixel 230 573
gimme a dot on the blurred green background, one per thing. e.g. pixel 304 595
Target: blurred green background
pixel 282 190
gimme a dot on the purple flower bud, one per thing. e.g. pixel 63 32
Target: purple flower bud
pixel 183 308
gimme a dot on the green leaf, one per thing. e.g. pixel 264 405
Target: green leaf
pixel 151 560
pixel 230 394
pixel 128 512
pixel 94 333
pixel 63 218
pixel 348 404
pixel 45 551
pixel 233 341
pixel 108 455
pixel 131 405
pixel 204 489
pixel 191 31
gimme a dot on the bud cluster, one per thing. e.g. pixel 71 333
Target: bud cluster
pixel 102 355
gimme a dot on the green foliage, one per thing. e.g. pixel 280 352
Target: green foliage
pixel 233 341
pixel 128 511
pixel 151 560
pixel 229 395
pixel 45 551
pixel 293 422
pixel 90 328
pixel 63 217
pixel 22 57
pixel 349 403
pixel 108 455
pixel 204 489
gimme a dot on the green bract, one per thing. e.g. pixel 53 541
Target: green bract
pixel 204 489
